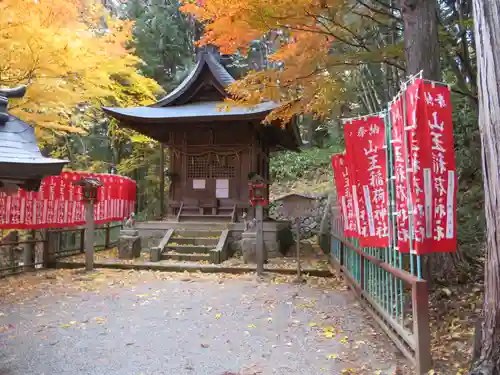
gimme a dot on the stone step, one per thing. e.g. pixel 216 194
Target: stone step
pixel 179 226
pixel 189 249
pixel 207 241
pixel 185 257
pixel 197 217
pixel 197 233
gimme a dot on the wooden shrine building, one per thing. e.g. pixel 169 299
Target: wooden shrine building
pixel 212 151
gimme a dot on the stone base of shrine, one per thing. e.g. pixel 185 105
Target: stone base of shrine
pixel 129 245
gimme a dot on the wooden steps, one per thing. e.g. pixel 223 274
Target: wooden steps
pixel 206 212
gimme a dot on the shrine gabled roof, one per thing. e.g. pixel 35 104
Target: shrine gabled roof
pixel 181 106
pixel 205 59
pixel 20 157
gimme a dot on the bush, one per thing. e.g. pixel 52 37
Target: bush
pixel 289 165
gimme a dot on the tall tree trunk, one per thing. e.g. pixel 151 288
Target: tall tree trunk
pixel 421 41
pixel 421 37
pixel 487 36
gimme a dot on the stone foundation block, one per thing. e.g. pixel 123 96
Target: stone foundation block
pixel 129 247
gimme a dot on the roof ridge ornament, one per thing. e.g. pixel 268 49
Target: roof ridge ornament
pixel 5 94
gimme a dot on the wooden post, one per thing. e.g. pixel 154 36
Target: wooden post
pixel 297 220
pixel 162 182
pixel 89 235
pixel 51 248
pixel 421 331
pixel 29 252
pixel 259 238
pixel 106 239
pixel 82 240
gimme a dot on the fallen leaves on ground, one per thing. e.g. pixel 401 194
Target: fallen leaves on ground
pixel 453 314
pixel 311 258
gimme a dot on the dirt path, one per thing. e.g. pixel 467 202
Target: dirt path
pixel 130 323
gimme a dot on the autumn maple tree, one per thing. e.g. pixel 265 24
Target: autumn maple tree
pixel 71 54
pixel 312 41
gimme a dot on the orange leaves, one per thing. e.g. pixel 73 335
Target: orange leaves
pixel 225 25
pixel 302 36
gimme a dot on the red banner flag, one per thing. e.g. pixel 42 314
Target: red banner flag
pixel 438 116
pixel 58 202
pixel 431 162
pixel 344 193
pixel 365 138
pixel 399 161
pixel 420 168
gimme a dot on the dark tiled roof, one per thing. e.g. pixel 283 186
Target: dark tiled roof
pixel 20 157
pixel 204 58
pixel 171 109
pixel 189 111
pixel 18 144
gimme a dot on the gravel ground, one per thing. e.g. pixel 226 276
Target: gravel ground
pixel 212 326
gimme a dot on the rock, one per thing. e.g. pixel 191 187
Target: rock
pixel 129 247
pixel 249 249
pixel 309 223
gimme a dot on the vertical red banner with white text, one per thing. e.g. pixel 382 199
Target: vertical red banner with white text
pixel 365 138
pixel 420 168
pixel 427 213
pixel 344 194
pixel 438 118
pixel 399 165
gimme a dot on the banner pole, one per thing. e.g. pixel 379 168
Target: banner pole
pixel 408 177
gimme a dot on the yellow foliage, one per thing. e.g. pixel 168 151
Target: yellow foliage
pixel 70 53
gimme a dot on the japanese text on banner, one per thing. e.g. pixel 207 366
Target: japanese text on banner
pixel 399 160
pixel 431 200
pixel 438 116
pixel 58 203
pixel 365 138
pixel 420 201
pixel 344 193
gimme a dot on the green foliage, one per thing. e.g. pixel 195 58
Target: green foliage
pixel 291 165
pixel 163 39
pixel 470 196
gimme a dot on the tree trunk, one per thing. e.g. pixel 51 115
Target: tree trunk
pixel 162 182
pixel 421 41
pixel 421 38
pixel 487 36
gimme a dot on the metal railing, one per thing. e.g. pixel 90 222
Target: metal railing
pixel 32 249
pixel 385 282
pixel 71 241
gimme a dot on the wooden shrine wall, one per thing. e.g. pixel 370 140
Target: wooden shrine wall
pixel 205 156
